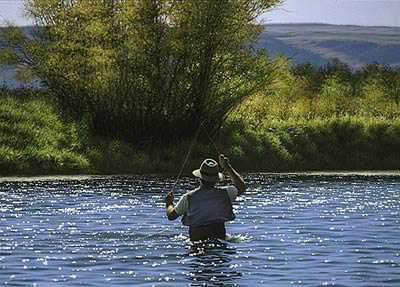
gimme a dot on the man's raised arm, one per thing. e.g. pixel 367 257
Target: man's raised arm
pixel 234 175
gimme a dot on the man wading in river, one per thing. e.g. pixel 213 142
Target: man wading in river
pixel 206 209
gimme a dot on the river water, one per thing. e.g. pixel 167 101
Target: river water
pixel 290 230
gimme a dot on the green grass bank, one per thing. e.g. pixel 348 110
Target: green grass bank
pixel 343 143
pixel 34 139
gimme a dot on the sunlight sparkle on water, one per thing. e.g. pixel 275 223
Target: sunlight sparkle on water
pixel 290 230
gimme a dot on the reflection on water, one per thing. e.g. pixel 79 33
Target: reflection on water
pixel 290 230
pixel 211 263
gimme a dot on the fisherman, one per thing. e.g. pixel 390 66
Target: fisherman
pixel 206 209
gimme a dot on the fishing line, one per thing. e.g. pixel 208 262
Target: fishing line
pixel 184 164
pixel 177 178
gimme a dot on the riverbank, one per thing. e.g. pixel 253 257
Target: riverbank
pixel 84 177
pixel 337 143
pixel 36 140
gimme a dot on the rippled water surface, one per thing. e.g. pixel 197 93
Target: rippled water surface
pixel 290 230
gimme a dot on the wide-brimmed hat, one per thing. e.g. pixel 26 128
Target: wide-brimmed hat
pixel 209 171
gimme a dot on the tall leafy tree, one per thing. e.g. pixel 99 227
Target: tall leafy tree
pixel 144 70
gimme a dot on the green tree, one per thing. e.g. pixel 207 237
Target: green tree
pixel 336 97
pixel 144 70
pixel 390 80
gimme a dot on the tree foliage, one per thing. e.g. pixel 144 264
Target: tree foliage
pixel 144 70
pixel 307 92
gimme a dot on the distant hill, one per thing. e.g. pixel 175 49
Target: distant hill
pixel 315 43
pixel 318 43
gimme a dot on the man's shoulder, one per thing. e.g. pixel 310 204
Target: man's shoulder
pixel 229 188
pixel 191 192
pixel 231 191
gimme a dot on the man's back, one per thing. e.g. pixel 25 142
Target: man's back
pixel 206 209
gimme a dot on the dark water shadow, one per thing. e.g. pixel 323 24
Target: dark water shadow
pixel 210 264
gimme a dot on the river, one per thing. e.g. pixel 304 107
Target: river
pixel 291 230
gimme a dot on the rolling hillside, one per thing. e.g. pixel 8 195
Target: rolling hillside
pixel 318 43
pixel 315 43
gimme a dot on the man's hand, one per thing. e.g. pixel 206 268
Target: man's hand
pixel 224 162
pixel 169 204
pixel 234 175
pixel 169 199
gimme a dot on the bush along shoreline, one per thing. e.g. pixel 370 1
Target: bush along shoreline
pixel 36 141
pixel 335 144
pixel 347 143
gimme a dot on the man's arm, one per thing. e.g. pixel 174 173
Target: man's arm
pixel 169 204
pixel 234 175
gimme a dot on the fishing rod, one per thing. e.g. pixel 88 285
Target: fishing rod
pixel 186 159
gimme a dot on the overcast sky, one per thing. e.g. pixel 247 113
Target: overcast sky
pixel 357 12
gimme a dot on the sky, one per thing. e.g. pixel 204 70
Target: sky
pixel 342 12
pixel 352 12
